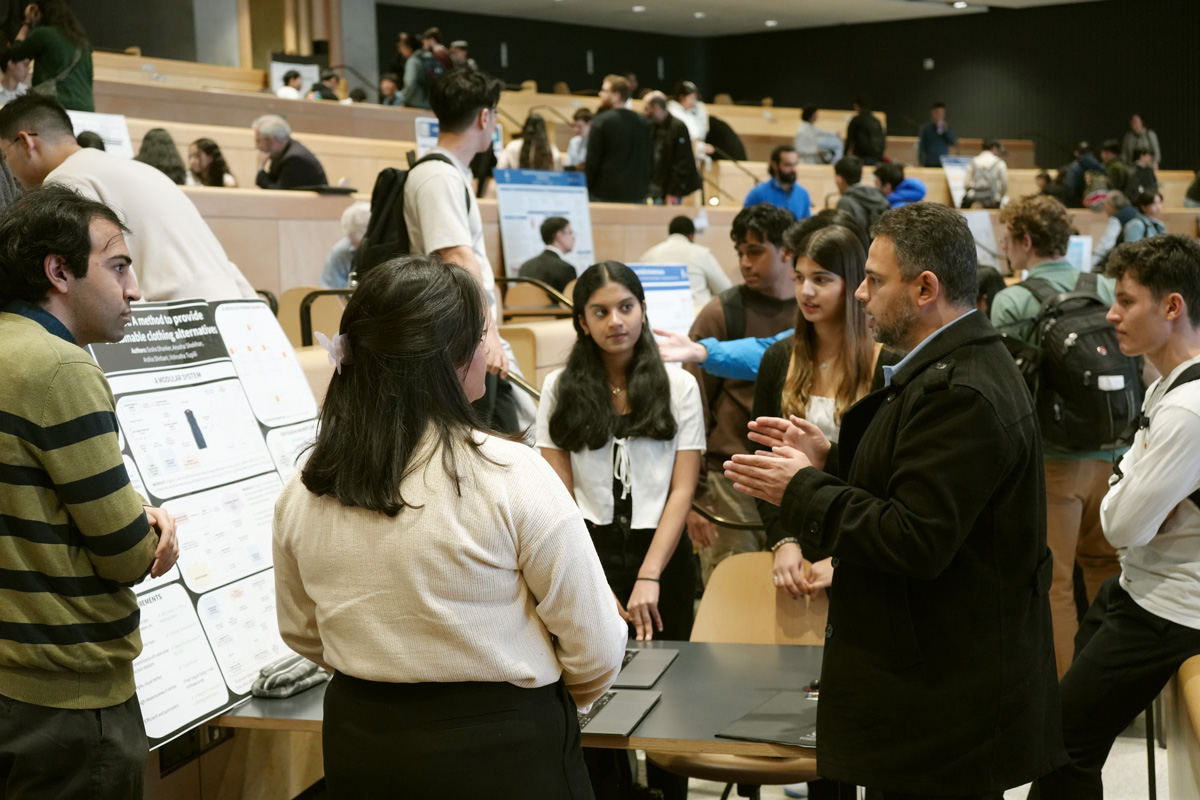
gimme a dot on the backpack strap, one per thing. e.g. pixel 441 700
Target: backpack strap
pixel 733 303
pixel 1190 374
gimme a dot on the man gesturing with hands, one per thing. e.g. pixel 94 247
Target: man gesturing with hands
pixel 938 674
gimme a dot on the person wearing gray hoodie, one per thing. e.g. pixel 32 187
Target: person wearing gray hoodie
pixel 864 202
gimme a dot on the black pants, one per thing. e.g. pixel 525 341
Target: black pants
pixel 385 740
pixel 1124 656
pixel 69 754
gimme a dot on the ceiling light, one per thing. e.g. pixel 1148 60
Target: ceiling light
pixel 699 15
pixel 960 4
pixel 638 9
pixel 771 23
pixel 714 200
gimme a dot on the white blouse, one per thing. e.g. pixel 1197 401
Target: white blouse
pixel 821 412
pixel 644 466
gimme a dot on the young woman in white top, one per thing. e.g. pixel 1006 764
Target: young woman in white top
pixel 533 150
pixel 817 373
pixel 626 435
pixel 441 572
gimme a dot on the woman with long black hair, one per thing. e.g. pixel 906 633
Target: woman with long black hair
pixel 440 571
pixel 626 434
pixel 533 150
pixel 206 165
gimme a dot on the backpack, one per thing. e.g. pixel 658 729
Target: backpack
pixel 733 303
pixel 1088 394
pixel 387 232
pixel 984 188
pixel 1141 179
pixel 1095 188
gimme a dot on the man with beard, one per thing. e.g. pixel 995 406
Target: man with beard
pixel 620 155
pixel 938 675
pixel 782 190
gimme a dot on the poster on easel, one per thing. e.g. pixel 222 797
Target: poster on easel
pixel 525 198
pixel 669 303
pixel 213 412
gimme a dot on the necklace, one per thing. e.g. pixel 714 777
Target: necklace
pixel 825 365
pixel 616 390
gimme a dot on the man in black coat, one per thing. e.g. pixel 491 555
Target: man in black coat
pixel 620 158
pixel 938 676
pixel 865 136
pixel 549 266
pixel 288 164
pixel 675 173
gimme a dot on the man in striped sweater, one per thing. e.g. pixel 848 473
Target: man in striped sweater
pixel 74 534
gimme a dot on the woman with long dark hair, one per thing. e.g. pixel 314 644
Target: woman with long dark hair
pixel 533 150
pixel 815 375
pixel 439 571
pixel 625 434
pixel 207 167
pixel 159 151
pixel 62 55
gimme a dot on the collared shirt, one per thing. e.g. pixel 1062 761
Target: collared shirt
pixel 889 371
pixel 552 248
pixel 41 316
pixel 794 200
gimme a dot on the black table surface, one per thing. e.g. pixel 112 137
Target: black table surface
pixel 708 686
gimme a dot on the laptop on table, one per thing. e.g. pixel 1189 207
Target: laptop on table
pixel 617 713
pixel 642 667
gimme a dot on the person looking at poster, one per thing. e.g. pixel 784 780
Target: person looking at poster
pixel 75 534
pixel 440 571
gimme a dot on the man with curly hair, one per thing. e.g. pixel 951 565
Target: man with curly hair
pixel 1036 231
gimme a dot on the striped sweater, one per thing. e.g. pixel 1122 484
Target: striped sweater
pixel 73 534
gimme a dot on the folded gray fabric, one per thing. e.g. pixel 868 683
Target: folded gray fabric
pixel 288 676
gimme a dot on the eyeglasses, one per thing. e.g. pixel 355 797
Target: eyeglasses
pixel 4 150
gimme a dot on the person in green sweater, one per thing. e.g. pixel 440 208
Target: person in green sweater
pixel 58 45
pixel 74 534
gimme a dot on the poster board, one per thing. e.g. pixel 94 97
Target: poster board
pixel 310 73
pixel 1079 252
pixel 955 168
pixel 526 197
pixel 669 303
pixel 112 128
pixel 212 412
pixel 987 248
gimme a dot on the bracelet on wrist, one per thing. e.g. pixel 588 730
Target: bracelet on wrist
pixel 782 542
pixel 640 578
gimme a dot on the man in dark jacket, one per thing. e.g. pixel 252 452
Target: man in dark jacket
pixel 549 266
pixel 865 137
pixel 288 164
pixel 1077 172
pixel 620 157
pixel 935 138
pixel 938 675
pixel 865 203
pixel 675 172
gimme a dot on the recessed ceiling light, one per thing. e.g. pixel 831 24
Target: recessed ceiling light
pixel 638 9
pixel 960 4
pixel 771 23
pixel 699 15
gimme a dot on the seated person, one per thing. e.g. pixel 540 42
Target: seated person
pixel 899 190
pixel 290 88
pixel 206 165
pixel 339 263
pixel 284 163
pixel 549 266
pixel 1148 221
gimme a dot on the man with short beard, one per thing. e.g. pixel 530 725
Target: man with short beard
pixel 932 508
pixel 782 190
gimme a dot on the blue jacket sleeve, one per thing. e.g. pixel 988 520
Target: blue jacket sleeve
pixel 738 359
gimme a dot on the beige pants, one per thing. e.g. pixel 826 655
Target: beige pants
pixel 1074 490
pixel 727 502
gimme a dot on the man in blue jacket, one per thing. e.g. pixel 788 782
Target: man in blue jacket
pixel 782 190
pixel 899 190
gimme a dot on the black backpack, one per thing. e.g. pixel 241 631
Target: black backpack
pixel 387 232
pixel 1088 394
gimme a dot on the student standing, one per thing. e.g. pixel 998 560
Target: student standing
pixel 1145 623
pixel 439 571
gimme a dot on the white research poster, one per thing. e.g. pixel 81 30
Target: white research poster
pixel 213 411
pixel 526 197
pixel 669 303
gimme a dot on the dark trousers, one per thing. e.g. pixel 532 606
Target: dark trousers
pixel 384 740
pixel 72 754
pixel 1124 656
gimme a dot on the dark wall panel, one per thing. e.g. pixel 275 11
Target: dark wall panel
pixel 162 28
pixel 1054 75
pixel 547 51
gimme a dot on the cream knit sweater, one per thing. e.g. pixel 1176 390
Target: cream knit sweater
pixel 500 584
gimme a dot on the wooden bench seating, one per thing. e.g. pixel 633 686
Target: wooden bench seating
pixel 127 68
pixel 346 158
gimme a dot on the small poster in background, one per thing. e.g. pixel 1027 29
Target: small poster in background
pixel 669 303
pixel 1079 253
pixel 427 136
pixel 955 168
pixel 526 197
pixel 110 127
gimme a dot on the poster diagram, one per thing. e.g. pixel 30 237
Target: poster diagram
pixel 213 411
pixel 669 304
pixel 526 198
pixel 240 622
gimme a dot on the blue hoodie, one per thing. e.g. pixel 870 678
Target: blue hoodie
pixel 910 190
